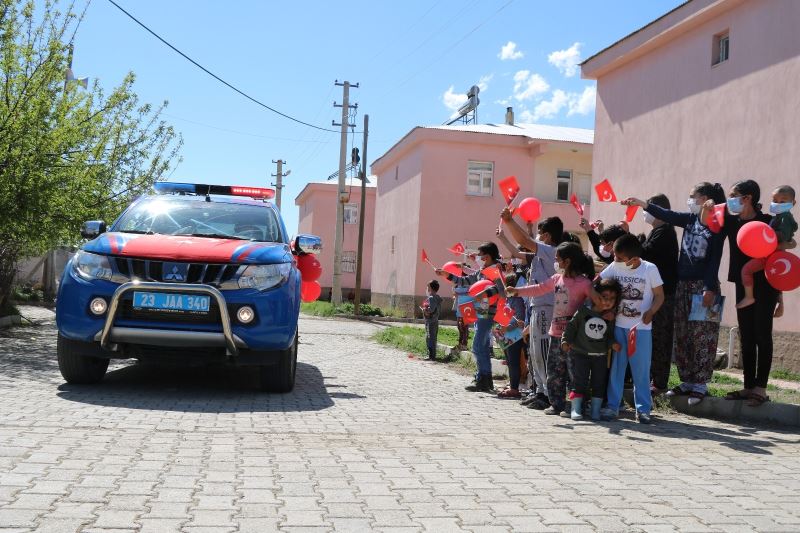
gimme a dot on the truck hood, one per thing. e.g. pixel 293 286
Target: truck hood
pixel 189 249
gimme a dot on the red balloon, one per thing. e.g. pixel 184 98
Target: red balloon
pixel 453 268
pixel 757 239
pixel 479 286
pixel 530 209
pixel 310 291
pixel 783 271
pixel 309 266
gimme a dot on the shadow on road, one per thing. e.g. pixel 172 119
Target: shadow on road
pixel 203 390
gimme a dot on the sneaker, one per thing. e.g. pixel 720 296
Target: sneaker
pixel 675 391
pixel 607 414
pixel 539 404
pixel 527 400
pixel 643 418
pixel 564 414
pixel 552 411
pixel 474 386
pixel 695 398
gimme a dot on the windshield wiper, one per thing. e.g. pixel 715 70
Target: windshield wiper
pixel 139 231
pixel 215 236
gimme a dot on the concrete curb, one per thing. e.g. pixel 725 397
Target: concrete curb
pixel 498 366
pixel 8 321
pixel 736 410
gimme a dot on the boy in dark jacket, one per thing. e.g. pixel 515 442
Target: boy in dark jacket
pixel 587 339
pixel 430 309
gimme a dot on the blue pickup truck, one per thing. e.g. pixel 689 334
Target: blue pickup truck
pixel 190 274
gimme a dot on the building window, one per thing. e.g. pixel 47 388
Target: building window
pixel 351 213
pixel 720 51
pixel 564 185
pixel 396 172
pixel 480 178
pixel 349 262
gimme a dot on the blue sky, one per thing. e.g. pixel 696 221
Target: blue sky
pixel 413 61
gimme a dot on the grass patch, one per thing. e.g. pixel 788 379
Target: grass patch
pixel 722 384
pixel 412 339
pixel 785 375
pixel 327 309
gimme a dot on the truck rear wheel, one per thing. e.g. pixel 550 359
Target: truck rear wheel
pixel 76 367
pixel 280 377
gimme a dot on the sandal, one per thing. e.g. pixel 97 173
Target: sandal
pixel 509 393
pixel 743 394
pixel 756 400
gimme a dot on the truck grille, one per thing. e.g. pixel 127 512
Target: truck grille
pixel 146 270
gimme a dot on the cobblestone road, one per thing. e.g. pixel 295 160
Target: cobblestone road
pixel 368 441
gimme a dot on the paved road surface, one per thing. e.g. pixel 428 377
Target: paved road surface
pixel 368 441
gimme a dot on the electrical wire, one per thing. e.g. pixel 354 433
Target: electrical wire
pixel 204 69
pixel 228 130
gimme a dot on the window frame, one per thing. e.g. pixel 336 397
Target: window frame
pixel 346 260
pixel 560 179
pixel 721 42
pixel 351 207
pixel 482 174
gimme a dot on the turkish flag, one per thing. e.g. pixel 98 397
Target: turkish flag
pixel 457 249
pixel 632 341
pixel 716 218
pixel 604 192
pixel 630 212
pixel 504 315
pixel 491 273
pixel 467 310
pixel 576 204
pixel 509 188
pixel 425 257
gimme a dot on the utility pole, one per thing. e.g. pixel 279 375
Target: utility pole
pixel 279 185
pixel 336 289
pixel 361 216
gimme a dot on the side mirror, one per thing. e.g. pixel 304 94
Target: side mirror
pixel 92 228
pixel 307 244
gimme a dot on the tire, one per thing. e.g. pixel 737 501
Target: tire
pixel 280 378
pixel 76 367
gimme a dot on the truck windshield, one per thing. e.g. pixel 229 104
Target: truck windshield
pixel 171 216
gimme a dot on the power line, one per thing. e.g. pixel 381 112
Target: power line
pixel 228 130
pixel 204 69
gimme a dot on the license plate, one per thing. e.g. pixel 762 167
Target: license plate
pixel 172 302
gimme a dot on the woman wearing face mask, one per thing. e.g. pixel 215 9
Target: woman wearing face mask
pixel 694 342
pixel 755 321
pixel 661 249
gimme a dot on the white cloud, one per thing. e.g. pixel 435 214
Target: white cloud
pixel 583 103
pixel 453 100
pixel 483 83
pixel 509 52
pixel 528 85
pixel 551 108
pixel 566 61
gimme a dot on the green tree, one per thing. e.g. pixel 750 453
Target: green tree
pixel 67 153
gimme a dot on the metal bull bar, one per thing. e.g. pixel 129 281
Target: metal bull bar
pixel 110 334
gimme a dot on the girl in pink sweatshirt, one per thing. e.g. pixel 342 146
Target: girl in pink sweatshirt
pixel 571 288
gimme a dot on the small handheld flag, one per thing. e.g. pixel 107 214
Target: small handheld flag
pixel 509 188
pixel 426 260
pixel 504 315
pixel 457 249
pixel 468 313
pixel 576 204
pixel 632 341
pixel 604 192
pixel 630 212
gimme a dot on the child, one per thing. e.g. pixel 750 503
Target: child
pixel 481 343
pixel 430 309
pixel 642 296
pixel 571 290
pixel 461 297
pixel 784 225
pixel 587 339
pixel 511 338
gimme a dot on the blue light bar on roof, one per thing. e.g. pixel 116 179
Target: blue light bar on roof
pixel 259 193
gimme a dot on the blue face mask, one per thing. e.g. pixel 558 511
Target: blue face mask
pixel 735 205
pixel 777 209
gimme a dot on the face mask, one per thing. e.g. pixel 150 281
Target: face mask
pixel 735 205
pixel 694 207
pixel 648 218
pixel 605 253
pixel 556 267
pixel 777 209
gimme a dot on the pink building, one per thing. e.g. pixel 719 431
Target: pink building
pixel 438 186
pixel 708 92
pixel 317 205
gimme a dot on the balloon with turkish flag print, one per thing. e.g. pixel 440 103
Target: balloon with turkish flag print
pixel 309 267
pixel 509 188
pixel 468 313
pixel 310 291
pixel 451 267
pixel 782 270
pixel 756 239
pixel 530 209
pixel 479 287
pixel 604 192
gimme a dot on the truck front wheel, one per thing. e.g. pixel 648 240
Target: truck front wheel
pixel 280 377
pixel 76 367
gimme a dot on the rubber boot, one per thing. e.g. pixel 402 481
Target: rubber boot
pixel 577 408
pixel 596 404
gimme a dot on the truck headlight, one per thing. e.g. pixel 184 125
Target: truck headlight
pixel 91 266
pixel 263 277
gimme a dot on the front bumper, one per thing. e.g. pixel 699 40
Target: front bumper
pixel 274 329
